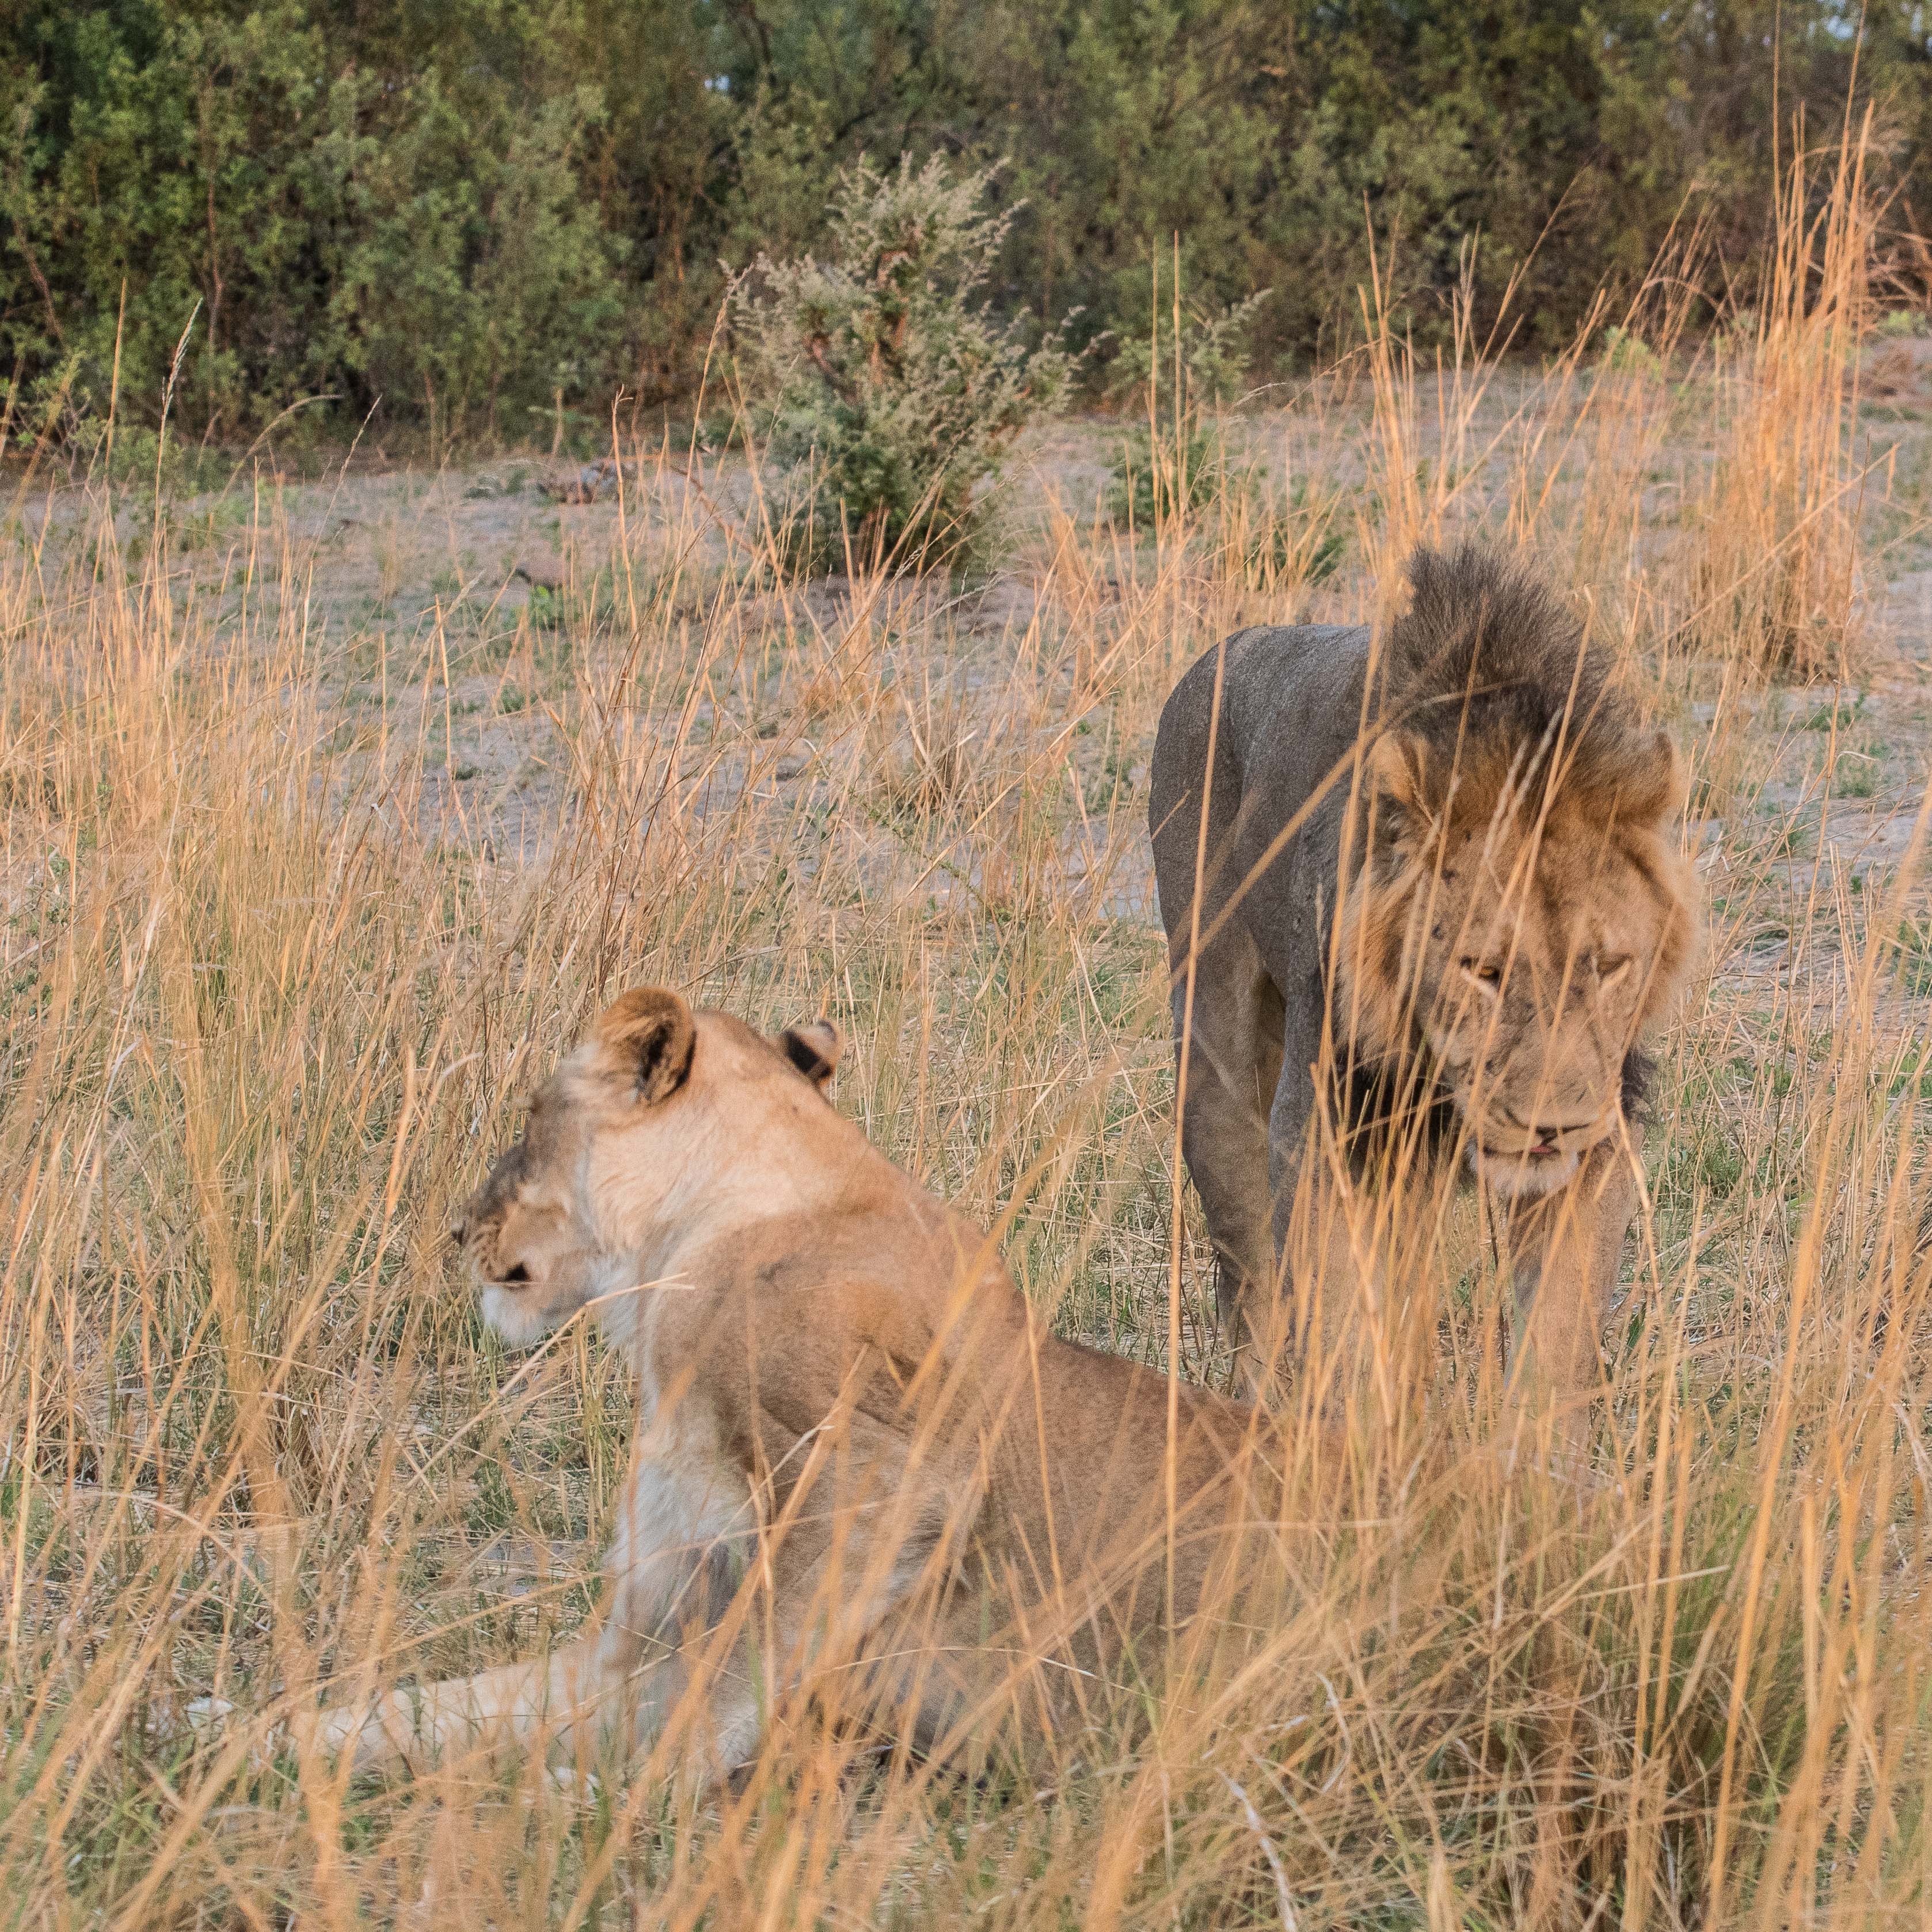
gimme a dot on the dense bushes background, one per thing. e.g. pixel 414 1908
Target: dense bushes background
pixel 486 212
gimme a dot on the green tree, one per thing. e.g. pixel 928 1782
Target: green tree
pixel 473 208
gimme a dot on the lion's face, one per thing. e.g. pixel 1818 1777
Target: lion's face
pixel 611 1155
pixel 1528 929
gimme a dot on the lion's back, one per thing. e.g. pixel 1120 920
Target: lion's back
pixel 1289 706
pixel 1288 716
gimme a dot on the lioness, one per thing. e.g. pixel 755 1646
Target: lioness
pixel 1428 892
pixel 841 1397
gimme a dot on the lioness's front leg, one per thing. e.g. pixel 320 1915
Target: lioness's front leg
pixel 1567 1248
pixel 670 1576
pixel 842 1560
pixel 581 1683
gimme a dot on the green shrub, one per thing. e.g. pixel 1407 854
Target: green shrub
pixel 1190 359
pixel 1628 354
pixel 886 392
pixel 1217 348
pixel 1156 478
pixel 1301 540
pixel 1910 951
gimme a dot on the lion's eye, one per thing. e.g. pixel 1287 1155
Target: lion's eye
pixel 1610 970
pixel 1483 972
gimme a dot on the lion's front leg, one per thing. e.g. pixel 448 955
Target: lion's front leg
pixel 1567 1248
pixel 1228 1034
pixel 1329 1284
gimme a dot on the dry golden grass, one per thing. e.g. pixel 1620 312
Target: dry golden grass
pixel 276 973
pixel 1780 567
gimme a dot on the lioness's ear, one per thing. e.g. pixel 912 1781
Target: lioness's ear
pixel 1397 772
pixel 650 1034
pixel 814 1049
pixel 1656 784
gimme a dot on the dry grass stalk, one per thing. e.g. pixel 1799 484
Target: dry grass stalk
pixel 276 976
pixel 1777 568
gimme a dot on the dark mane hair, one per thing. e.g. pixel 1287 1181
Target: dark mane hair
pixel 1486 653
pixel 1486 661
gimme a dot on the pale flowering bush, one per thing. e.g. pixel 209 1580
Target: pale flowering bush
pixel 885 390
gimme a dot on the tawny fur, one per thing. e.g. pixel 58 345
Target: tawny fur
pixel 858 1451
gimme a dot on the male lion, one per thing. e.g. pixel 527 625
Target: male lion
pixel 857 1450
pixel 1425 892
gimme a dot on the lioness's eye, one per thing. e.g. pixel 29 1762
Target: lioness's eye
pixel 1613 969
pixel 1482 971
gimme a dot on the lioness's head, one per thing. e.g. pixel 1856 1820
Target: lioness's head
pixel 1521 912
pixel 663 1114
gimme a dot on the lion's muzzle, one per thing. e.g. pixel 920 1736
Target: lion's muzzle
pixel 1524 1161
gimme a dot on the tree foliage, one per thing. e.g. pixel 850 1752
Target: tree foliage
pixel 477 209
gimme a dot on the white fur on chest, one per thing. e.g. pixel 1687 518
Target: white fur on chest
pixel 682 1496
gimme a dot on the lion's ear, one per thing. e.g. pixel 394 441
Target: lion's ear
pixel 1655 785
pixel 649 1034
pixel 1397 782
pixel 814 1049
